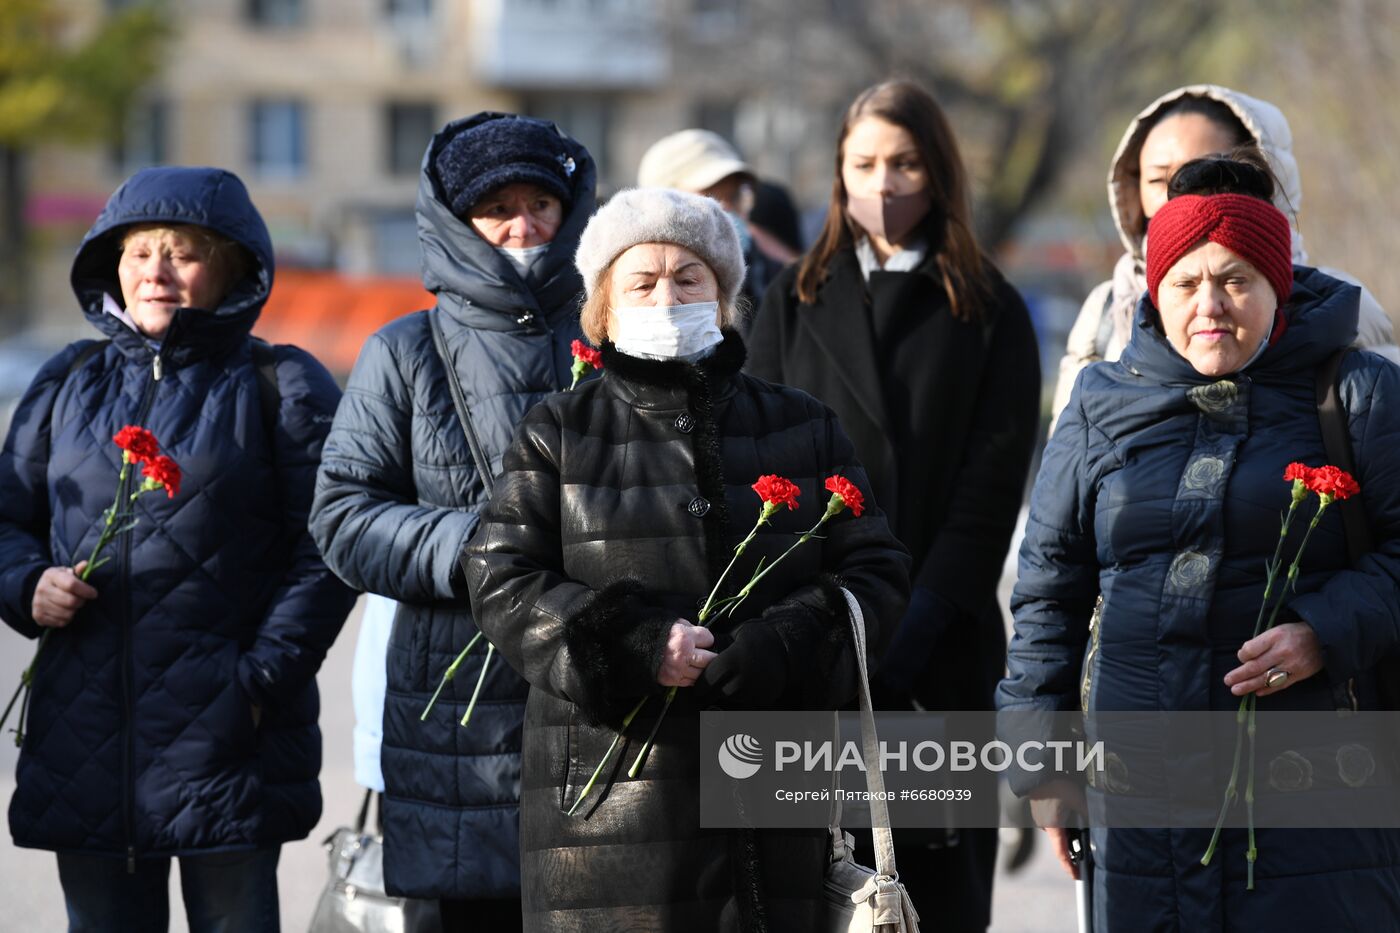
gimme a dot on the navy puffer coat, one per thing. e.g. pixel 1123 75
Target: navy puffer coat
pixel 142 739
pixel 397 498
pixel 1161 489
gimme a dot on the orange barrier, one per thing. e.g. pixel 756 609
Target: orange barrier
pixel 330 315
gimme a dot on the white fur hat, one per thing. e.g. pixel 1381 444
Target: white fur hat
pixel 662 215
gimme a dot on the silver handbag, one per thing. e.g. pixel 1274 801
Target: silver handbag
pixel 861 899
pixel 353 900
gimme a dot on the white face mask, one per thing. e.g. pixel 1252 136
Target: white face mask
pixel 685 332
pixel 523 257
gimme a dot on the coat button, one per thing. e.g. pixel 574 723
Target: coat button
pixel 685 424
pixel 698 507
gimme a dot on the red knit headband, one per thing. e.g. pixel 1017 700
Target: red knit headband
pixel 1253 229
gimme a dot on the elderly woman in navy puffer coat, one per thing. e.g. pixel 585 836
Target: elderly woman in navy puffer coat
pixel 1161 491
pixel 427 416
pixel 174 706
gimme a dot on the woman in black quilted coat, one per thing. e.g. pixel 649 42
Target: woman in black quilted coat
pixel 618 508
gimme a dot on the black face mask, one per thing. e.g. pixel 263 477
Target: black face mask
pixel 890 218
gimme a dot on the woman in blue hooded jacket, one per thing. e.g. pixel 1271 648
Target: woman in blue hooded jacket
pixel 429 412
pixel 174 704
pixel 1160 492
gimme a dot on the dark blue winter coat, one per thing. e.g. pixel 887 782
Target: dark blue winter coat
pixel 141 738
pixel 397 498
pixel 1161 489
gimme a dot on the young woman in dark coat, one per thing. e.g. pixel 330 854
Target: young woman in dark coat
pixel 617 512
pixel 898 322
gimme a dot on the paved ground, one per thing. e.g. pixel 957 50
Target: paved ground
pixel 1039 899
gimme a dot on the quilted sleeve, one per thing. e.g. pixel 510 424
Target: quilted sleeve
pixel 24 512
pixel 310 604
pixel 1057 576
pixel 1356 613
pixel 366 516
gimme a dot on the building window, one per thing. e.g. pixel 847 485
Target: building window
pixel 408 8
pixel 144 137
pixel 276 12
pixel 409 127
pixel 279 138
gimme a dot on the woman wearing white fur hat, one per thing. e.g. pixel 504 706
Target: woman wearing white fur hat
pixel 617 510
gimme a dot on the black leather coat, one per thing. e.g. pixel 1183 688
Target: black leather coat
pixel 616 512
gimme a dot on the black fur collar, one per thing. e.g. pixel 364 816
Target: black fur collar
pixel 728 359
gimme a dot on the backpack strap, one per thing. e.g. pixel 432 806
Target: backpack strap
pixel 269 393
pixel 1336 439
pixel 83 355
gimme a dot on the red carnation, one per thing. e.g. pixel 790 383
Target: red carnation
pixel 140 445
pixel 162 471
pixel 583 351
pixel 1297 471
pixel 1332 483
pixel 846 490
pixel 586 359
pixel 776 491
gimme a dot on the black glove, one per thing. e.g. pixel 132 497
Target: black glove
pixel 751 672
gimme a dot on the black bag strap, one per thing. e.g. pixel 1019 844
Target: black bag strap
pixel 85 354
pixel 269 392
pixel 459 402
pixel 1336 440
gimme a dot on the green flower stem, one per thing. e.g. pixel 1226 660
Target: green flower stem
pixel 1252 854
pixel 764 514
pixel 480 679
pixel 450 673
pixel 626 721
pixel 732 603
pixel 1230 788
pixel 1292 581
pixel 641 755
pixel 1276 563
pixel 833 508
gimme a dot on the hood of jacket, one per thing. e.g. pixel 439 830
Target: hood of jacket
pixel 469 276
pixel 1322 317
pixel 1265 122
pixel 212 198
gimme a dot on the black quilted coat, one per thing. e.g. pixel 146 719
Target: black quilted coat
pixel 617 511
pixel 142 739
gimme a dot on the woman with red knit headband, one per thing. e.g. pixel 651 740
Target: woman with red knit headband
pixel 1154 515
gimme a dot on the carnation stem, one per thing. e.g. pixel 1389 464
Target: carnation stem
pixel 656 727
pixel 739 549
pixel 1252 853
pixel 1293 568
pixel 626 721
pixel 758 577
pixel 480 679
pixel 1275 565
pixel 1230 792
pixel 448 674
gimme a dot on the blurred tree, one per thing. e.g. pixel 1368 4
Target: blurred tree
pixel 1028 82
pixel 62 83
